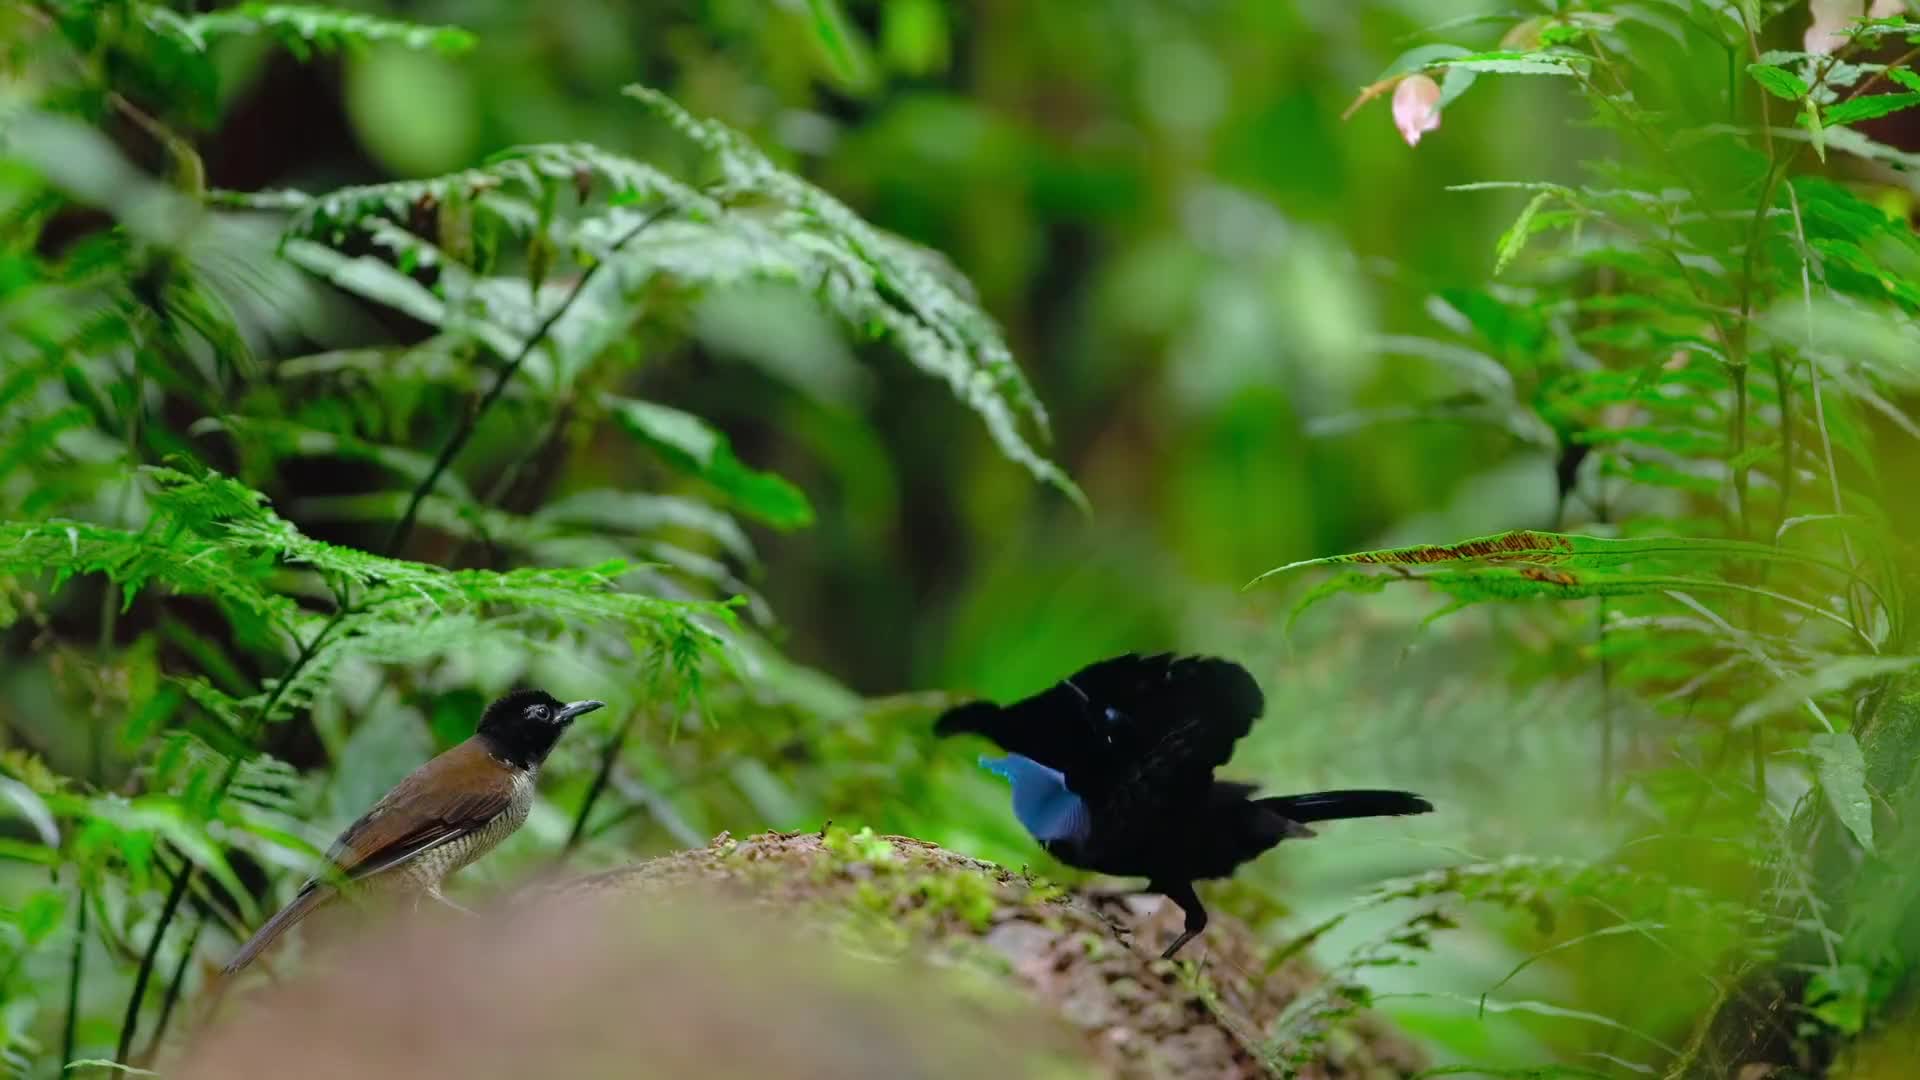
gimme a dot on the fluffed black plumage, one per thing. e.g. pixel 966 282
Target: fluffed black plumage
pixel 1112 771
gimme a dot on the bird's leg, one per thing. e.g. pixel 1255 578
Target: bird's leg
pixel 1182 894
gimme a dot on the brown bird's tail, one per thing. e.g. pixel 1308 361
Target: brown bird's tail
pixel 310 897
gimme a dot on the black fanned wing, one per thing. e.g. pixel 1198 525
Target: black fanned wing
pixel 1162 721
pixel 1171 715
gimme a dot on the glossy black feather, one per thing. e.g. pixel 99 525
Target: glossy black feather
pixel 1332 805
pixel 1160 720
pixel 1138 738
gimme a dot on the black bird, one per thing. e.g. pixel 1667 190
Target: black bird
pixel 444 815
pixel 1112 771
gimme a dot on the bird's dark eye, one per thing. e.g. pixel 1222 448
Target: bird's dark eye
pixel 537 712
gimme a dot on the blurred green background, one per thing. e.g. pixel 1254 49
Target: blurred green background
pixel 1186 245
pixel 1193 255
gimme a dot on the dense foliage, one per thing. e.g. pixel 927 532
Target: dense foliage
pixel 355 369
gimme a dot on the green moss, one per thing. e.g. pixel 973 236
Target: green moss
pixel 969 896
pixel 865 846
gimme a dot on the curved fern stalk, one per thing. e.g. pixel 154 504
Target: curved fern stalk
pixel 471 419
pixel 174 986
pixel 75 968
pixel 609 754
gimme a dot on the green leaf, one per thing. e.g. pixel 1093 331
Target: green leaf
pixel 84 163
pixel 108 1063
pixel 31 807
pixel 167 817
pixel 1565 566
pixel 1452 85
pixel 1832 677
pixel 1569 550
pixel 1870 107
pixel 641 512
pixel 1838 997
pixel 1779 82
pixel 300 26
pixel 1510 66
pixel 689 443
pixel 847 52
pixel 1416 58
pixel 1515 238
pixel 21 851
pixel 914 36
pixel 380 752
pixel 215 537
pixel 1337 585
pixel 43 914
pixel 1843 777
pixel 370 278
pixel 293 440
pixel 1905 77
pixel 1816 129
pixel 1871 28
pixel 1851 141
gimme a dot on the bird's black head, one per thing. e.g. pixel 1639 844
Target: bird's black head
pixel 523 726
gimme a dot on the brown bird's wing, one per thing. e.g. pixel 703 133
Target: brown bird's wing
pixel 438 803
pixel 445 799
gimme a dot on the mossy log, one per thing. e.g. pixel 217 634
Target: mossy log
pixel 786 954
pixel 1090 958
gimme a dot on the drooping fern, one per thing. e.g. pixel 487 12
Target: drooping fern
pixel 757 223
pixel 158 403
pixel 1706 334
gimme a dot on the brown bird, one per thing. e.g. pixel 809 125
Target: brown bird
pixel 444 815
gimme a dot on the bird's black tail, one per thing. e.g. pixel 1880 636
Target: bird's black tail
pixel 1334 805
pixel 975 717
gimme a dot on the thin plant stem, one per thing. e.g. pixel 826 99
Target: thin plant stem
pixel 1739 421
pixel 608 756
pixel 75 967
pixel 1855 608
pixel 470 420
pixel 174 986
pixel 1606 707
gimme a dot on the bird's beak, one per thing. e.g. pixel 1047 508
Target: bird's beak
pixel 575 709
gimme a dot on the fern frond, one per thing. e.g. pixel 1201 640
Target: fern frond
pixel 759 223
pixel 880 280
pixel 304 28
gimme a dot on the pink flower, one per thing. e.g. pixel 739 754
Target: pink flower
pixel 1416 107
pixel 1886 9
pixel 1830 17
